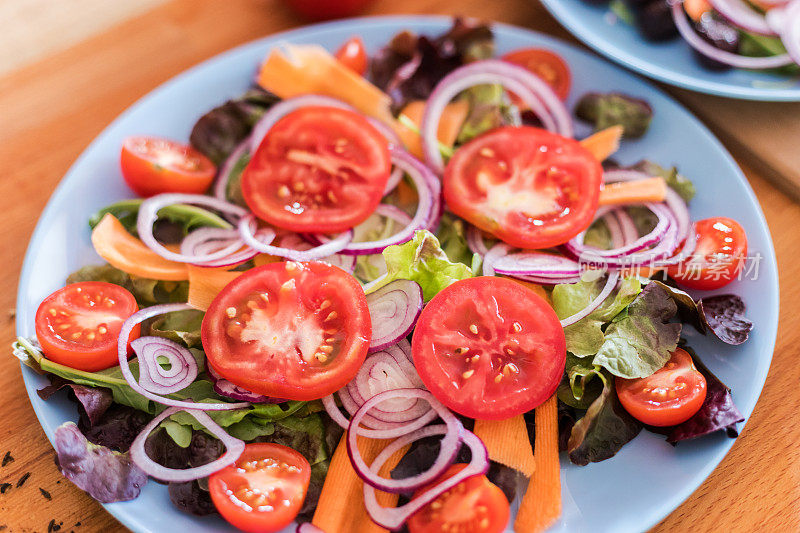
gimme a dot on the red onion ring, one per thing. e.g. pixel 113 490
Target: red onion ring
pixel 394 309
pixel 475 242
pixel 294 241
pixel 741 14
pixel 791 30
pixel 537 264
pixel 611 282
pixel 148 214
pixel 447 452
pixel 283 108
pixel 233 450
pixel 709 50
pixel 154 377
pixel 224 174
pixel 495 252
pixel 537 94
pixel 393 518
pixel 122 354
pixel 248 223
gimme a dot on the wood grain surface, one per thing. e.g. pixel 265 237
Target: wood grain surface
pixel 50 111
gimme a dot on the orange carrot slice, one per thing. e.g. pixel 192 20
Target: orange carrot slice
pixel 206 283
pixel 541 505
pixel 603 143
pixel 633 192
pixel 450 124
pixel 696 8
pixel 507 443
pixel 122 250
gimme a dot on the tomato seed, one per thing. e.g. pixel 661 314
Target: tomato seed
pixel 473 328
pixel 517 327
pixel 231 312
pixel 102 330
pixel 332 316
pixel 498 378
pixel 467 374
pixel 284 192
pixel 53 312
pixel 487 152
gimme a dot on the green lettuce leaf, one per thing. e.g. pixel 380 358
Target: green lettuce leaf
pixel 489 108
pixel 422 260
pixel 586 336
pixel 579 389
pixel 182 327
pixel 146 291
pixel 452 236
pixel 640 343
pixel 679 183
pixel 604 429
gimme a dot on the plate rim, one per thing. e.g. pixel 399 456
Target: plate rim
pixel 629 60
pixel 655 513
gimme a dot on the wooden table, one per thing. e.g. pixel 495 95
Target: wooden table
pixel 50 111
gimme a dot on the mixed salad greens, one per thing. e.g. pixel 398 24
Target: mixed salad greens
pixel 409 287
pixel 724 34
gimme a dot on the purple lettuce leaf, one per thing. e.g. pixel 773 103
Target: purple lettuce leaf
pixel 724 316
pixel 105 475
pixel 718 411
pixel 94 400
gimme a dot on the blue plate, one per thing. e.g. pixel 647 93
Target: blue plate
pixel 672 62
pixel 631 492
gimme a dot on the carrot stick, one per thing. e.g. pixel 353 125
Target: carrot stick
pixel 633 192
pixel 450 124
pixel 603 143
pixel 206 283
pixel 385 499
pixel 541 505
pixel 507 443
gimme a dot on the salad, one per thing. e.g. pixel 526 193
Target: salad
pixel 384 292
pixel 724 34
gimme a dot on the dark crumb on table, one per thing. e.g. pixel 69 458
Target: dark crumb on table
pixel 52 526
pixel 4 487
pixel 77 524
pixel 23 479
pixel 3 527
pixel 7 458
pixel 45 493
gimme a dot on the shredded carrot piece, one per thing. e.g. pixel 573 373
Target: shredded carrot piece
pixel 450 123
pixel 697 8
pixel 341 503
pixel 603 143
pixel 507 442
pixel 264 259
pixel 541 505
pixel 538 289
pixel 633 192
pixel 122 250
pixel 206 283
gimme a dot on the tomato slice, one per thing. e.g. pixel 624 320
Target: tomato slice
pixel 78 325
pixel 476 505
pixel 527 186
pixel 263 490
pixel 319 169
pixel 489 348
pixel 670 396
pixel 353 55
pixel 718 258
pixel 545 64
pixel 151 165
pixel 289 330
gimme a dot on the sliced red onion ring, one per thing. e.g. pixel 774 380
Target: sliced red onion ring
pixel 233 450
pixel 447 451
pixel 148 214
pixel 628 231
pixel 388 369
pixel 537 264
pixel 153 376
pixel 709 50
pixel 475 240
pixel 296 242
pixel 224 174
pixel 527 86
pixel 611 282
pixel 248 224
pixel 740 13
pixel 393 518
pixel 223 387
pixel 124 366
pixel 394 309
pixel 790 34
pixel 428 189
pixel 493 255
pixel 206 241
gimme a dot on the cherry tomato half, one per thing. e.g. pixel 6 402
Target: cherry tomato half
pixel 545 64
pixel 474 505
pixel 353 55
pixel 319 170
pixel 152 166
pixel 527 186
pixel 489 348
pixel 289 330
pixel 263 490
pixel 78 325
pixel 718 258
pixel 673 394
